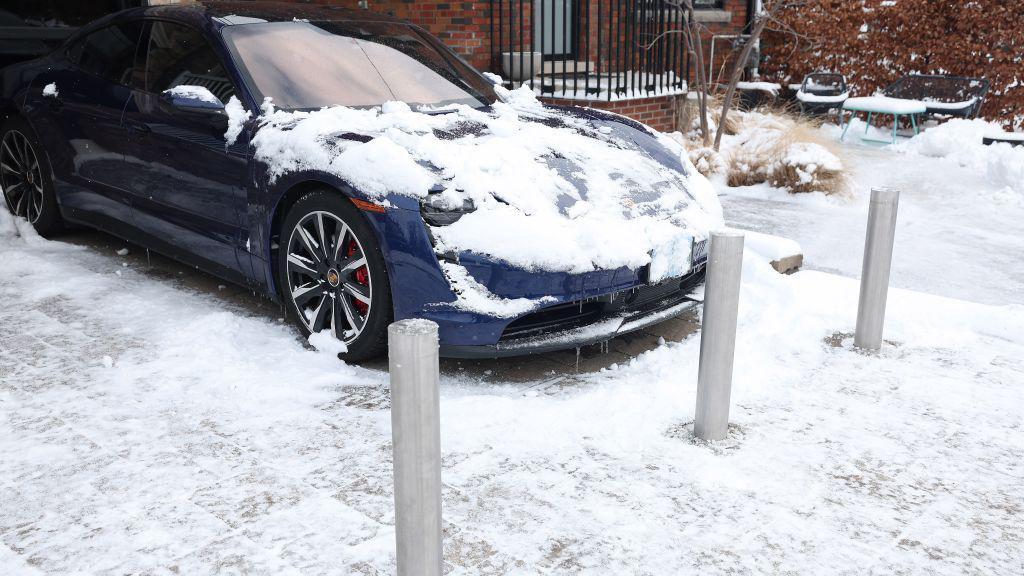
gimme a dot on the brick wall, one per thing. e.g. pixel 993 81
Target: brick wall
pixel 737 10
pixel 658 112
pixel 465 27
pixel 715 23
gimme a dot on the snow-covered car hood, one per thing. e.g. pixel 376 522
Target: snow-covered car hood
pixel 552 190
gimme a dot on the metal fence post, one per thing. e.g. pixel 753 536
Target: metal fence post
pixel 416 441
pixel 718 335
pixel 874 278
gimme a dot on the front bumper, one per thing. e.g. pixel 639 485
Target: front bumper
pixel 589 321
pixel 607 303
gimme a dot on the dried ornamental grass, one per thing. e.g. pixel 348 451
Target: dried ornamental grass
pixel 708 161
pixel 747 168
pixel 785 151
pixel 808 167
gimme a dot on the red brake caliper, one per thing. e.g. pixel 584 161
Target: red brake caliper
pixel 362 276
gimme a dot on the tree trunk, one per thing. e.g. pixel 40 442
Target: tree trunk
pixel 737 71
pixel 697 47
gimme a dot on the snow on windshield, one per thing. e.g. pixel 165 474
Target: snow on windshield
pixel 552 192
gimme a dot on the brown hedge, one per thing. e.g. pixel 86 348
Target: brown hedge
pixel 874 42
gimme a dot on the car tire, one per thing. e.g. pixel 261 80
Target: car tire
pixel 28 190
pixel 343 288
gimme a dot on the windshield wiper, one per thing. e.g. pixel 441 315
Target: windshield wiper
pixel 437 112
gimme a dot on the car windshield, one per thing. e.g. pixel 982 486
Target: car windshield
pixel 308 65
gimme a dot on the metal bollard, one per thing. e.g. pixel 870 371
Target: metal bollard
pixel 416 441
pixel 874 278
pixel 718 335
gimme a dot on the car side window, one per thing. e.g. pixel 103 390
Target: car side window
pixel 109 52
pixel 179 55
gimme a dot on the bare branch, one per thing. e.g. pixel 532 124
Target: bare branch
pixel 760 23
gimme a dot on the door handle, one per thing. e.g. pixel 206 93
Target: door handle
pixel 140 127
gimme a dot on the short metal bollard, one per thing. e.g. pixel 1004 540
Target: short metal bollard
pixel 718 335
pixel 874 278
pixel 416 441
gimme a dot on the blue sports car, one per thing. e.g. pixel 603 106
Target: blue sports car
pixel 352 168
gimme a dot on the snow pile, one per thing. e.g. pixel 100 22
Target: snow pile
pixel 769 247
pixel 7 223
pixel 551 192
pixel 325 342
pixel 961 141
pixel 12 227
pixel 950 138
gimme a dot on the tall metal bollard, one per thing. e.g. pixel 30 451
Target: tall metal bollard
pixel 874 278
pixel 718 335
pixel 416 441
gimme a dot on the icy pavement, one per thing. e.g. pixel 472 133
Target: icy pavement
pixel 151 428
pixel 959 234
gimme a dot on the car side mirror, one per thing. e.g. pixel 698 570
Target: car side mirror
pixel 193 99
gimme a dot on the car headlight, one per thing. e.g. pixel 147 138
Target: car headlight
pixel 444 208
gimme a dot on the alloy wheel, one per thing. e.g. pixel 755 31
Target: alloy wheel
pixel 21 176
pixel 328 277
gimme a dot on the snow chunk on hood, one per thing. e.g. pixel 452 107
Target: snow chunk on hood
pixel 200 93
pixel 552 191
pixel 237 116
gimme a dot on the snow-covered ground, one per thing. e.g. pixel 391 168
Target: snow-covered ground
pixel 147 427
pixel 961 215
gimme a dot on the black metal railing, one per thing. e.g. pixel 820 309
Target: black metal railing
pixel 590 49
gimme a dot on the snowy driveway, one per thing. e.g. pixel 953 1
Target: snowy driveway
pixel 149 427
pixel 959 234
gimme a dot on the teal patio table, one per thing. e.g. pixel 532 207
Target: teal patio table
pixel 884 105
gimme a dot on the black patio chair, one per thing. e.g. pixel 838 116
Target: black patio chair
pixel 822 92
pixel 956 96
